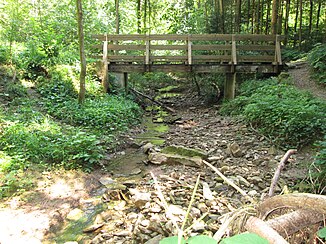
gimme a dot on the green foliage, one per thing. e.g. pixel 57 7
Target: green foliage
pixel 320 163
pixel 322 233
pixel 192 240
pixel 46 143
pixel 317 61
pixel 4 55
pixel 245 238
pixel 151 80
pixel 289 116
pixel 292 54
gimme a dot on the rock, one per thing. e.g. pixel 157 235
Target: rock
pixel 92 228
pixel 255 179
pixel 175 210
pixel 199 226
pixel 253 193
pixel 235 150
pixel 157 158
pixel 122 233
pixel 161 158
pixel 184 151
pixel 223 169
pixel 75 214
pixel 215 158
pixel 202 207
pixel 155 240
pixel 111 184
pixel 207 193
pixel 135 171
pixel 139 198
pixel 145 222
pixel 243 181
pixel 195 212
pixel 147 148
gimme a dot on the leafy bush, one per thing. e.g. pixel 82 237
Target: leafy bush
pixel 46 143
pixel 289 54
pixel 289 116
pixel 320 162
pixel 4 55
pixel 317 61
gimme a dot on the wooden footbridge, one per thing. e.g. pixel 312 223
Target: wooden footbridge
pixel 197 53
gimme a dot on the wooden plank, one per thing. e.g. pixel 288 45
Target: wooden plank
pixel 169 47
pixel 256 58
pixel 126 58
pixel 211 47
pixel 169 58
pixel 127 47
pixel 256 47
pixel 212 58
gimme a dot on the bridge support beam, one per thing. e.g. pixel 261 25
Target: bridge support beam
pixel 229 85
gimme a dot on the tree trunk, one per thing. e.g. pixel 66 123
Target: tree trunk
pixel 82 89
pixel 268 3
pixel 253 17
pixel 238 16
pixel 318 14
pixel 286 22
pixel 275 7
pixel 138 16
pixel 310 15
pixel 221 3
pixel 117 17
pixel 296 23
pixel 248 16
pixel 300 23
pixel 258 13
pixel 280 17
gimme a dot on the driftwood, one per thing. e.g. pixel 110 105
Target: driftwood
pixel 290 223
pixel 278 171
pixel 153 100
pixel 313 202
pixel 261 228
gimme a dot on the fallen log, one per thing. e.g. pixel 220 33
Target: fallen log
pixel 307 201
pixel 259 227
pixel 290 223
pixel 153 100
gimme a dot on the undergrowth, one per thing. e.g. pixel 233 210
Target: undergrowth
pixel 289 117
pixel 317 61
pixel 50 129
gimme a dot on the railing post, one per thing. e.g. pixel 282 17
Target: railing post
pixel 148 52
pixel 278 58
pixel 189 50
pixel 231 77
pixel 105 82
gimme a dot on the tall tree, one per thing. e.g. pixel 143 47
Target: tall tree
pixel 117 17
pixel 318 14
pixel 275 7
pixel 82 88
pixel 310 15
pixel 238 16
pixel 300 22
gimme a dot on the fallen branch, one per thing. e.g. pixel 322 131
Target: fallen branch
pixel 313 202
pixel 278 171
pixel 153 100
pixel 259 227
pixel 229 182
pixel 290 223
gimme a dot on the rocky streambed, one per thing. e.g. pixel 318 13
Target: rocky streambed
pixel 148 190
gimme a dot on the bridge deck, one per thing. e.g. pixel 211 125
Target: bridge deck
pixel 225 53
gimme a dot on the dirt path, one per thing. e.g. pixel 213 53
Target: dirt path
pixel 300 74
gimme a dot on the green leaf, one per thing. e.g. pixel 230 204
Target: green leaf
pixel 322 233
pixel 172 240
pixel 201 239
pixel 245 238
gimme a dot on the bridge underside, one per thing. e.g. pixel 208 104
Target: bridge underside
pixel 195 68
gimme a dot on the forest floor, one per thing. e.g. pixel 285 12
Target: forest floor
pixel 122 204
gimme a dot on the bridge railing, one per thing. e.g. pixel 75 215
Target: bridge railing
pixel 192 49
